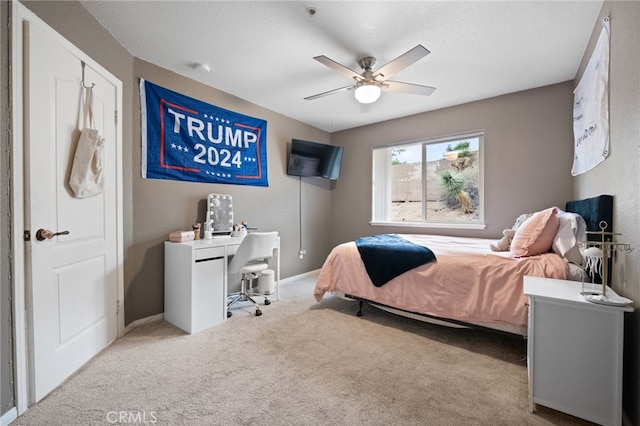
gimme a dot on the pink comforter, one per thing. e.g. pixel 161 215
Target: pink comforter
pixel 468 282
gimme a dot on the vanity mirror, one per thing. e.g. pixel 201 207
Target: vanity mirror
pixel 219 215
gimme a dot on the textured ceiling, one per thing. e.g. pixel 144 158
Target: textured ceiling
pixel 262 51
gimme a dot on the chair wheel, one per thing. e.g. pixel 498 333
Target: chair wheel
pixel 258 312
pixel 229 313
pixel 267 301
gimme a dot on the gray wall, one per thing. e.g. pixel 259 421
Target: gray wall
pixel 6 320
pixel 619 174
pixel 527 158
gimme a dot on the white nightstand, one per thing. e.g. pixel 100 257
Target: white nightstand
pixel 574 353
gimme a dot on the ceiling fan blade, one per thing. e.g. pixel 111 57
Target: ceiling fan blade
pixel 402 61
pixel 330 92
pixel 415 89
pixel 338 67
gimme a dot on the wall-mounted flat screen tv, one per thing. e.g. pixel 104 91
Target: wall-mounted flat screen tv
pixel 314 159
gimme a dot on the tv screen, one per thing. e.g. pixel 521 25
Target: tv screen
pixel 314 159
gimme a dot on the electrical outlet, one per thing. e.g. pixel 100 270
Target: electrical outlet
pixel 302 253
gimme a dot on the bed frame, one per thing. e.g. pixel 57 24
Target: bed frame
pixel 593 210
pixel 432 319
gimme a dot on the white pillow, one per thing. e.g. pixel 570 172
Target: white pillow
pixel 571 230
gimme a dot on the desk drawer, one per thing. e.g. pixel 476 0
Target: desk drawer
pixel 209 253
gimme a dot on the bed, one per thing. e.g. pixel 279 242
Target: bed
pixel 469 284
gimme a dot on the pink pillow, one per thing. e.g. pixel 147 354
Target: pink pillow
pixel 536 234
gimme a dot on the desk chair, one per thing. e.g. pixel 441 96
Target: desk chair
pixel 253 256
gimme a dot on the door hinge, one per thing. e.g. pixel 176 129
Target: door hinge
pixel 116 117
pixel 117 307
pixel 27 235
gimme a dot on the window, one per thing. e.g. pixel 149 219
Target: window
pixel 433 182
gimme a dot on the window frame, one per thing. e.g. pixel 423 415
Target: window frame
pixel 381 170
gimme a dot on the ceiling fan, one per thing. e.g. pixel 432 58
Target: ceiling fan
pixel 369 83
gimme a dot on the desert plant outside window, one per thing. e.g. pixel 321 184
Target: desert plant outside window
pixel 435 182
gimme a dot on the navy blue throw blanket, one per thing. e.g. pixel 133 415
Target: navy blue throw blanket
pixel 386 256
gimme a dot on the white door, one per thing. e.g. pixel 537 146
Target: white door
pixel 72 279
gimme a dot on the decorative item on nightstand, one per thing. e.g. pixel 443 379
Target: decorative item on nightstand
pixel 598 255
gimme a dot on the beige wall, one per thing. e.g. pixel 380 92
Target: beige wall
pixel 527 158
pixel 619 174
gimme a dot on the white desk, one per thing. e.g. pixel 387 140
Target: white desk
pixel 196 281
pixel 574 353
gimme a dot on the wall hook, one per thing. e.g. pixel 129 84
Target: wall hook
pixel 83 83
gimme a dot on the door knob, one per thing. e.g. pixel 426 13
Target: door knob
pixel 45 234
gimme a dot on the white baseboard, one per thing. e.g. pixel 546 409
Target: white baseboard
pixel 143 321
pixel 299 276
pixel 9 416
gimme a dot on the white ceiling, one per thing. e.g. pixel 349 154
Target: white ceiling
pixel 262 51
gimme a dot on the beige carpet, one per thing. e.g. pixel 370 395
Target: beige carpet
pixel 301 363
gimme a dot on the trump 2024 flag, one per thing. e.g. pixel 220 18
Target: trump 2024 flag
pixel 189 140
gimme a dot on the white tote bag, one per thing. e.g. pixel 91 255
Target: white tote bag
pixel 87 178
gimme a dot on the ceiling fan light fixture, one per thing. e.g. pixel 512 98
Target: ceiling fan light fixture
pixel 367 92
